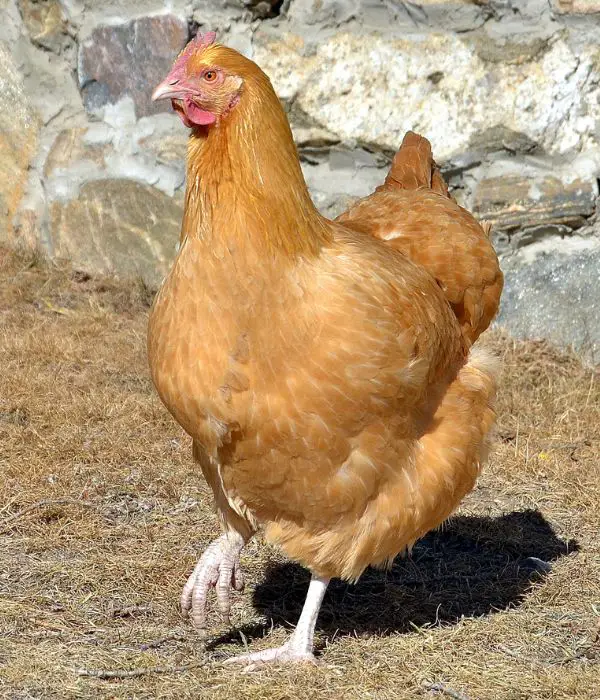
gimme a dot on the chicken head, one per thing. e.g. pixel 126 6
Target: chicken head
pixel 201 93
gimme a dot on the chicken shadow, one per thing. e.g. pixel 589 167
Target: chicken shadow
pixel 473 566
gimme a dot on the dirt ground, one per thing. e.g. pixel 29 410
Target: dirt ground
pixel 103 514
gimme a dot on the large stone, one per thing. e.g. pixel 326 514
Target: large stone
pixel 426 3
pixel 554 295
pixel 374 88
pixel 168 148
pixel 130 59
pixel 117 226
pixel 19 128
pixel 45 23
pixel 462 15
pixel 70 147
pixel 579 7
pixel 513 202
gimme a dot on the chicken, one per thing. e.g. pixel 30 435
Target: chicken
pixel 331 395
pixel 414 212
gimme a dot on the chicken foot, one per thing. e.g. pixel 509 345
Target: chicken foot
pixel 299 647
pixel 218 567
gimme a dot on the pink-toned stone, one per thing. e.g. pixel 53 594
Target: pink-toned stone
pixel 130 59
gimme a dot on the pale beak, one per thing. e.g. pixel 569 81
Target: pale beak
pixel 171 89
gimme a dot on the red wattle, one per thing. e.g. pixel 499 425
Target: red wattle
pixel 196 115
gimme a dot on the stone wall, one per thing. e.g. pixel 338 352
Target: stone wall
pixel 508 91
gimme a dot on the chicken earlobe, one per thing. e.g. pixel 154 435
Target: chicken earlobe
pixel 218 567
pixel 299 647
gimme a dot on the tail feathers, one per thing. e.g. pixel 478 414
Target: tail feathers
pixel 413 166
pixel 487 228
pixel 438 184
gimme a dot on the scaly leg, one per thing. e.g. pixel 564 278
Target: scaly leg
pixel 219 566
pixel 299 646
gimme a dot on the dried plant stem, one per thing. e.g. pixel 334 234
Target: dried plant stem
pixel 109 674
pixel 45 503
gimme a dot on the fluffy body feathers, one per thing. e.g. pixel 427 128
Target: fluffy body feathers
pixel 415 214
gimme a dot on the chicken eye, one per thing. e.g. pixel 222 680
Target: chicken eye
pixel 210 76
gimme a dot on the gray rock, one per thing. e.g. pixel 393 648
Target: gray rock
pixel 130 59
pixel 120 227
pixel 11 26
pixel 323 13
pixel 69 147
pixel 460 15
pixel 374 88
pixel 168 148
pixel 555 295
pixel 513 202
pixel 499 138
pixel 150 150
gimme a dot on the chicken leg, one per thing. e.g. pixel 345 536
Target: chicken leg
pixel 219 566
pixel 299 646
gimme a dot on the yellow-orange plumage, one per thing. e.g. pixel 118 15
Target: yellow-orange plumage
pixel 415 214
pixel 321 372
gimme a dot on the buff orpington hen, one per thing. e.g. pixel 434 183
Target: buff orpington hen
pixel 326 378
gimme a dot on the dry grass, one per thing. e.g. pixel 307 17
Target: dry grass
pixel 504 602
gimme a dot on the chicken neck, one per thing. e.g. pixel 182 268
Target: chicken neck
pixel 245 187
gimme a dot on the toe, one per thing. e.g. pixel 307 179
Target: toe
pixel 279 655
pixel 218 567
pixel 188 590
pixel 237 578
pixel 204 582
pixel 223 590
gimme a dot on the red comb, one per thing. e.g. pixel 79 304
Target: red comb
pixel 199 41
pixel 205 39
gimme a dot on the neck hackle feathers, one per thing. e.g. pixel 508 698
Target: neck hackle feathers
pixel 244 175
